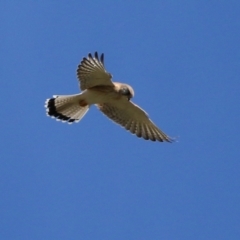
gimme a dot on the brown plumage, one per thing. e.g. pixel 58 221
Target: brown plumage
pixel 112 98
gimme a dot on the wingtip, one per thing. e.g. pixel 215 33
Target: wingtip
pixel 90 56
pixel 102 58
pixel 96 55
pixel 171 139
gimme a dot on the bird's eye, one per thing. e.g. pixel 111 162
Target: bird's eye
pixel 125 91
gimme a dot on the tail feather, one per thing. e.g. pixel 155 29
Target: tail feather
pixel 65 108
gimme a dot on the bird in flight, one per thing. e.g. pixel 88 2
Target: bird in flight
pixel 112 98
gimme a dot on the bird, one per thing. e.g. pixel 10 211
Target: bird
pixel 113 99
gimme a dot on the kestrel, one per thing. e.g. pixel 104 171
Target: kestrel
pixel 111 98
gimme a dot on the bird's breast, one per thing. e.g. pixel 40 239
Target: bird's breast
pixel 101 94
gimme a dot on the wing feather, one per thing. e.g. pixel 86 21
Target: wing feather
pixel 134 119
pixel 91 72
pixel 145 131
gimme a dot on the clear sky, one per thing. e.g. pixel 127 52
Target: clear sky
pixel 94 180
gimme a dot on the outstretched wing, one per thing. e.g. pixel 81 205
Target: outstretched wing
pixel 91 72
pixel 133 119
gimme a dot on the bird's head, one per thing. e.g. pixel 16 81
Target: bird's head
pixel 127 91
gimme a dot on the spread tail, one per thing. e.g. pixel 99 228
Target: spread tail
pixel 66 108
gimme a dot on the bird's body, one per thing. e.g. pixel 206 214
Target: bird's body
pixel 102 94
pixel 112 98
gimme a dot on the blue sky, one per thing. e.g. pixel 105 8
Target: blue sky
pixel 94 180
